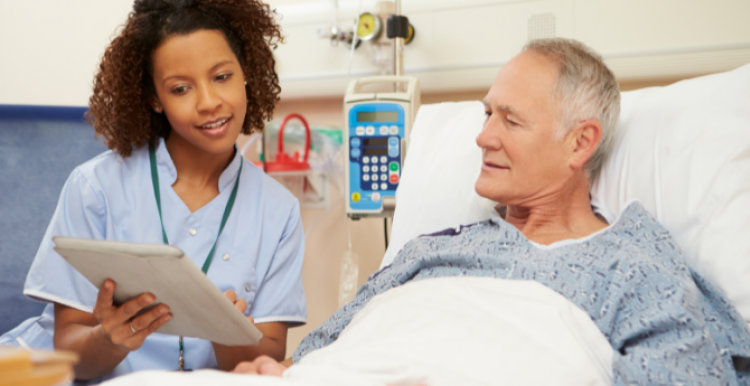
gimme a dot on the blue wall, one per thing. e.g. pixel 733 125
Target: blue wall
pixel 39 147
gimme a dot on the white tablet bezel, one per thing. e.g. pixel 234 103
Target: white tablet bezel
pixel 198 307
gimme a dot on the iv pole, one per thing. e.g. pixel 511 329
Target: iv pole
pixel 398 47
pixel 398 29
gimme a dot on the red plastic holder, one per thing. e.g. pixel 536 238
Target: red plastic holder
pixel 289 163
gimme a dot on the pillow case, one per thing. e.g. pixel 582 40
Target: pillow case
pixel 442 163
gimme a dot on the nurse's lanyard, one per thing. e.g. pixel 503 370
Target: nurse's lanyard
pixel 227 211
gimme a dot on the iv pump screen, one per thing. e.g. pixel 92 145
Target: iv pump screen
pixel 377 116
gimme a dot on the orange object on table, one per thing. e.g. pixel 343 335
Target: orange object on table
pixel 19 367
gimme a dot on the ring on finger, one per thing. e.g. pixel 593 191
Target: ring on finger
pixel 131 327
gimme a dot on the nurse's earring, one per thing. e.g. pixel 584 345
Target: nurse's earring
pixel 157 109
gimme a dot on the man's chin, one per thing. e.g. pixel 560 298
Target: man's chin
pixel 489 191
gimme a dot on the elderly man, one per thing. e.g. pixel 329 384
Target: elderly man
pixel 551 115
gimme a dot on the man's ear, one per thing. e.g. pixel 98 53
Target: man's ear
pixel 586 138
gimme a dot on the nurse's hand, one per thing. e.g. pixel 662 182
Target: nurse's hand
pixel 120 326
pixel 272 344
pixel 241 304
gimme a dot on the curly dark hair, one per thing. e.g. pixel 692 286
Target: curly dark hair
pixel 120 108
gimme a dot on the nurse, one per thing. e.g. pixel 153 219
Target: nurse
pixel 173 92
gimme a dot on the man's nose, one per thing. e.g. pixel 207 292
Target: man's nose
pixel 488 138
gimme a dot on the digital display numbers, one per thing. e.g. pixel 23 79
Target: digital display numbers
pixel 375 142
pixel 375 151
pixel 377 116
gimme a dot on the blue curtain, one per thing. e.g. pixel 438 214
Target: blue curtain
pixel 39 147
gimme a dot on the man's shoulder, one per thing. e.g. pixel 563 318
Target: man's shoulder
pixel 646 255
pixel 477 232
pixel 462 239
pixel 642 239
pixel 457 230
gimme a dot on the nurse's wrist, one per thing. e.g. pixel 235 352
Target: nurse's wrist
pixel 104 341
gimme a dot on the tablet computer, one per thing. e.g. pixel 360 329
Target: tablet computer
pixel 198 308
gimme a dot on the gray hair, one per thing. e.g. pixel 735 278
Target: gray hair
pixel 587 89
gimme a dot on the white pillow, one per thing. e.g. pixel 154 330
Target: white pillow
pixel 442 163
pixel 684 152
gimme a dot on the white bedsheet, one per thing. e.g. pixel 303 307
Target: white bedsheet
pixel 448 331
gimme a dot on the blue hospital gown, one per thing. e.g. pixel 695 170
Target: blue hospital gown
pixel 667 324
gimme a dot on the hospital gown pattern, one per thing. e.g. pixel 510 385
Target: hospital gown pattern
pixel 667 324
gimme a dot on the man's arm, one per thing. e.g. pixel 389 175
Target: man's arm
pixel 263 365
pixel 662 336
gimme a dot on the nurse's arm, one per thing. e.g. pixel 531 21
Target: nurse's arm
pixel 103 339
pixel 273 344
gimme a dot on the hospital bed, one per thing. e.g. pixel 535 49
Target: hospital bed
pixel 683 152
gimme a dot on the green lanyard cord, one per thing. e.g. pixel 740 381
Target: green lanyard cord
pixel 157 192
pixel 227 212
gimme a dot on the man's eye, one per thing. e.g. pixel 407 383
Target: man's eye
pixel 511 122
pixel 487 114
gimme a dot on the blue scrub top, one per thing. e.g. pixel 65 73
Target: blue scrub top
pixel 258 255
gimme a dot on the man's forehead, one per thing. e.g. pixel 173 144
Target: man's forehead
pixel 502 107
pixel 528 77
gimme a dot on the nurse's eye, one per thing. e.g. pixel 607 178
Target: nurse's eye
pixel 223 77
pixel 179 90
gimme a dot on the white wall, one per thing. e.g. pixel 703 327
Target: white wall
pixel 50 48
pixel 460 45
